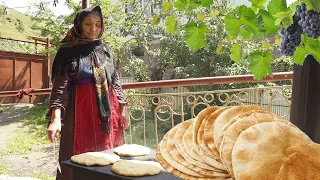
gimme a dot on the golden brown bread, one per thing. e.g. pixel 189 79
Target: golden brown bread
pixel 234 128
pixel 227 116
pixel 261 149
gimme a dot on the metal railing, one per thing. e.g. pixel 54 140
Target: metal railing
pixel 152 115
pixel 22 46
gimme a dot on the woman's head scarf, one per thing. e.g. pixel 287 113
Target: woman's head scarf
pixel 75 46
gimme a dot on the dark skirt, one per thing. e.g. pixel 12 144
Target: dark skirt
pixel 82 130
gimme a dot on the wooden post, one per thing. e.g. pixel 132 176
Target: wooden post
pixel 305 108
pixel 85 4
pixel 48 62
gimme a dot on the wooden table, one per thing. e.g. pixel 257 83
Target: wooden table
pixel 104 172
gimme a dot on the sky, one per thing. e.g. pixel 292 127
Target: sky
pixel 62 9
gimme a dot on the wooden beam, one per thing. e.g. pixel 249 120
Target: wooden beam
pixel 305 107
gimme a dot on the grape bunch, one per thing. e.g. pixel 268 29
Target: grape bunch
pixel 291 38
pixel 309 21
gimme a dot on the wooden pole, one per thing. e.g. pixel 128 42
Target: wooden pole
pixel 305 107
pixel 85 4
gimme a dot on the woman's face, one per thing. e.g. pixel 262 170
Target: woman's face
pixel 91 26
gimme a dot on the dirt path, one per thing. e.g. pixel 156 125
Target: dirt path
pixel 40 160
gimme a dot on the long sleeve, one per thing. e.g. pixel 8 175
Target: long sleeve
pixel 118 89
pixel 59 93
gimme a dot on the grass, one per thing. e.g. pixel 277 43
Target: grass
pixel 13 21
pixel 42 175
pixel 4 170
pixel 34 132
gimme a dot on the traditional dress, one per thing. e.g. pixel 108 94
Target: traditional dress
pixel 86 87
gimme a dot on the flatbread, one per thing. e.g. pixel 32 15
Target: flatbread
pixel 171 161
pixel 132 150
pixel 261 149
pixel 136 168
pixel 227 116
pixel 202 144
pixel 173 151
pixel 193 152
pixel 198 120
pixel 181 129
pixel 240 123
pixel 208 132
pixel 177 173
pixel 95 159
pixel 302 162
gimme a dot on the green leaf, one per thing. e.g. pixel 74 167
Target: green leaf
pixel 171 25
pixel 219 49
pixel 312 4
pixel 260 64
pixel 155 20
pixel 201 17
pixel 181 5
pixel 278 41
pixel 276 6
pixel 266 45
pixel 309 47
pixel 166 6
pixel 196 35
pixel 245 33
pixel 249 18
pixel 258 3
pixel 232 24
pixel 236 53
pixel 268 22
pixel 206 2
pixel 284 18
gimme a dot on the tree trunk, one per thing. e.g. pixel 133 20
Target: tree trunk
pixel 305 108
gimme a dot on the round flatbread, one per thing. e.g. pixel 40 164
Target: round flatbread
pixel 198 120
pixel 261 149
pixel 302 162
pixel 195 154
pixel 240 123
pixel 227 116
pixel 136 168
pixel 173 151
pixel 179 174
pixel 132 150
pixel 208 132
pixel 181 130
pixel 95 159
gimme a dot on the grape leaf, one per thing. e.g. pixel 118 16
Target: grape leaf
pixel 243 17
pixel 206 2
pixel 155 20
pixel 166 6
pixel 236 53
pixel 268 22
pixel 232 24
pixel 171 25
pixel 181 5
pixel 196 35
pixel 284 18
pixel 245 33
pixel 260 64
pixel 276 6
pixel 312 4
pixel 201 17
pixel 258 3
pixel 309 47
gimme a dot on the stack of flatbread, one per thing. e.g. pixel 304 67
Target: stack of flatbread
pixel 240 142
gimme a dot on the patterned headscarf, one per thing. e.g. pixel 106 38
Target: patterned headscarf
pixel 74 46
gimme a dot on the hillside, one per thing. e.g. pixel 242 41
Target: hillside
pixel 17 25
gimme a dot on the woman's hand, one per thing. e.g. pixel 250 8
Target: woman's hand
pixel 123 120
pixel 55 126
pixel 54 129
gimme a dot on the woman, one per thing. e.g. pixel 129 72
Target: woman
pixel 86 96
